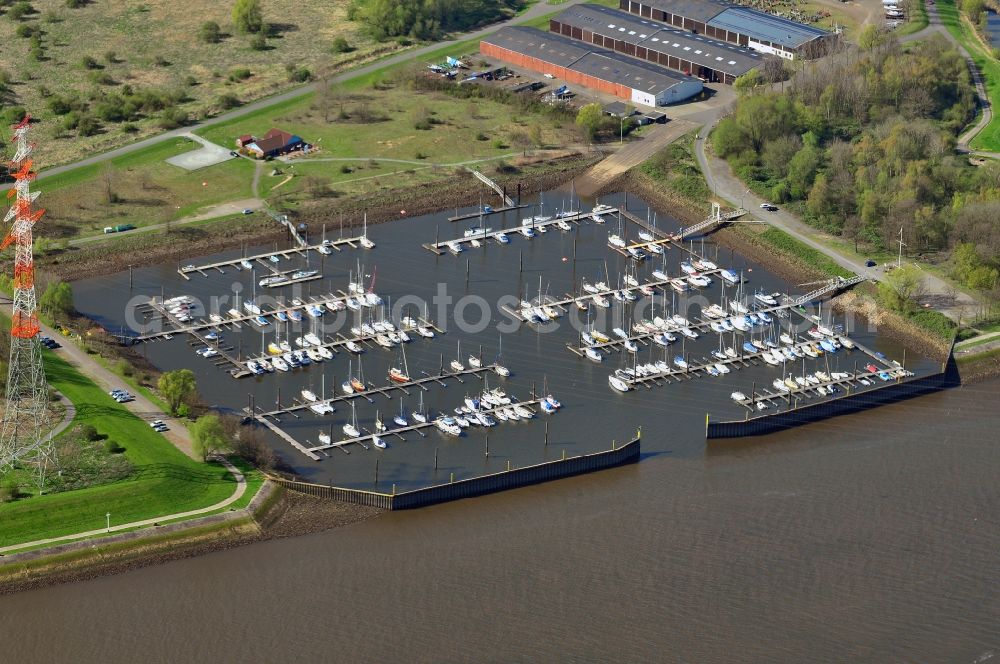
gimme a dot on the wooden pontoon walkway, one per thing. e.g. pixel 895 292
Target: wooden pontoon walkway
pixel 441 248
pixel 263 259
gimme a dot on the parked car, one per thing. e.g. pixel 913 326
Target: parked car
pixel 247 211
pixel 870 263
pixel 768 206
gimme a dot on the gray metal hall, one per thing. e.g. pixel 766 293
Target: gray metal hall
pixel 760 31
pixel 695 55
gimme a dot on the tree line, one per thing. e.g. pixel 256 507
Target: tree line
pixel 862 145
pixel 427 19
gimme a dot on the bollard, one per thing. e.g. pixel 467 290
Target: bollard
pixel 508 465
pixel 564 454
pixel 546 433
pixel 435 458
pixel 394 488
pixel 376 471
pixel 451 478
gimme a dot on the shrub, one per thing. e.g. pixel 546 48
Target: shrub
pixel 171 118
pixel 228 101
pixel 87 126
pixel 75 4
pixel 89 432
pixel 88 62
pixel 161 61
pixel 259 42
pixel 101 78
pixel 112 447
pixel 499 144
pixel 190 81
pixel 299 74
pixel 340 45
pixel 25 31
pixel 344 168
pixel 210 33
pixel 248 17
pixel 19 10
pixel 423 124
pixel 240 74
pixel 482 137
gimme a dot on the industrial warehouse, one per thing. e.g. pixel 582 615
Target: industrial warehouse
pixel 754 29
pixel 711 60
pixel 590 66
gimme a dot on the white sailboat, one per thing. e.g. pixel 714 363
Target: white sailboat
pixel 351 428
pixel 364 241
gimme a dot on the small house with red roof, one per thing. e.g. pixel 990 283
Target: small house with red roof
pixel 274 143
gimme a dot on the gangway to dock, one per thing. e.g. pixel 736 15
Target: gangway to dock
pixel 507 200
pixel 832 286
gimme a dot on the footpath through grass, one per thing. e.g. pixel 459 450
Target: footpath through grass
pixel 989 138
pixel 166 481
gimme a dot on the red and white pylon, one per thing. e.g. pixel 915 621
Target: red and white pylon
pixel 24 438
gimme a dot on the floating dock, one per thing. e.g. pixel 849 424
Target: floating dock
pixel 441 248
pixel 267 266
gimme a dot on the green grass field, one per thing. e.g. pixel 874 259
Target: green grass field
pixel 155 44
pixel 989 138
pixel 146 191
pixel 166 481
pixel 918 19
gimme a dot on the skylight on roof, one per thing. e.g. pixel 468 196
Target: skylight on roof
pixel 719 58
pixel 698 52
pixel 732 62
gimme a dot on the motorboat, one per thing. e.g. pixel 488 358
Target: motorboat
pixel 246 265
pixel 680 362
pixel 722 368
pixel 766 299
pixel 354 347
pixel 314 355
pixel 308 395
pixel 280 364
pixel 501 370
pixel 295 315
pixel 616 241
pixel 738 396
pixel 251 307
pixel 645 236
pixel 563 225
pixel 679 285
pixel 425 332
pixel 448 426
pixel 600 337
pixel 454 247
pixel 273 280
pixel 527 232
pixel 630 346
pixel 274 349
pixel 635 253
pixel 325 352
pixel 476 231
pixel 502 238
pixel 594 354
pixel 600 301
pixel 475 362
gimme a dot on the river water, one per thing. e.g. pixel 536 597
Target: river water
pixel 405 272
pixel 871 537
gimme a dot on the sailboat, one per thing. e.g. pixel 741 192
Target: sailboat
pixel 379 424
pixel 351 428
pixel 456 364
pixel 364 241
pixel 400 375
pixel 420 415
pixel 401 418
pixel 500 370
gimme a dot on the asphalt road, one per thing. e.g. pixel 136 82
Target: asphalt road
pixel 538 9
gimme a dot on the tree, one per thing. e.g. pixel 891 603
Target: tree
pixel 208 436
pixel 901 288
pixel 57 300
pixel 589 119
pixel 177 387
pixel 248 16
pixel 210 32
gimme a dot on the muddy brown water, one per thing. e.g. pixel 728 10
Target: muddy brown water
pixel 871 537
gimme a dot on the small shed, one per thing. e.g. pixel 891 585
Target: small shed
pixel 245 140
pixel 654 117
pixel 619 109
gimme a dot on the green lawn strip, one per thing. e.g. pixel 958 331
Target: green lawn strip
pixel 918 19
pixel 981 340
pixel 166 481
pixel 989 138
pixel 978 357
pixel 148 155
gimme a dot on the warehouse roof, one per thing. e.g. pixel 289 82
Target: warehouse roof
pixel 632 29
pixel 766 27
pixel 594 61
pixel 699 10
pixel 629 72
pixel 550 47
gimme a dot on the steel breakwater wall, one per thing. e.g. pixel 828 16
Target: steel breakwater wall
pixel 475 486
pixel 843 405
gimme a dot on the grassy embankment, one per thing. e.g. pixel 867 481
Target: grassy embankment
pixel 165 482
pixel 989 138
pixel 918 19
pixel 139 188
pixel 155 45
